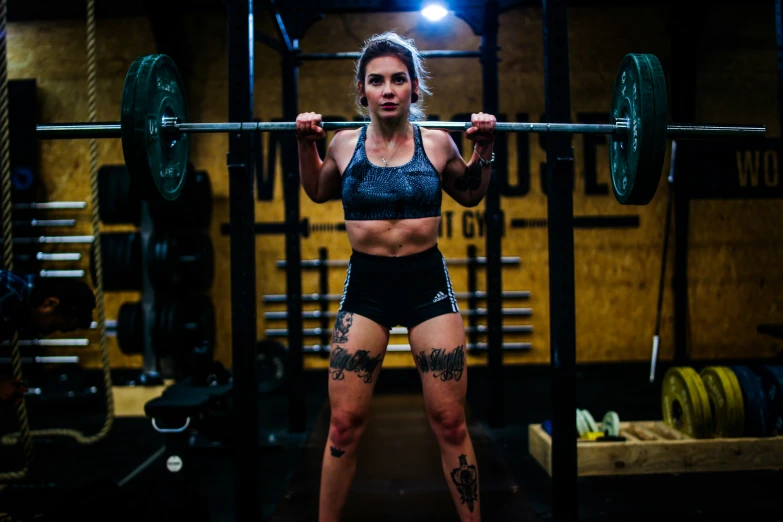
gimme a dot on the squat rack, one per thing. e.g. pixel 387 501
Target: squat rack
pixel 291 22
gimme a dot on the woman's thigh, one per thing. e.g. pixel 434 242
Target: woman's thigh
pixel 357 352
pixel 438 348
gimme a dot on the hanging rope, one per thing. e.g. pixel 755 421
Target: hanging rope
pixel 91 100
pixel 8 254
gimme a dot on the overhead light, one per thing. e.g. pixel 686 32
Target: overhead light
pixel 434 12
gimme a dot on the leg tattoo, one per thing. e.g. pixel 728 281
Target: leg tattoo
pixel 337 453
pixel 444 365
pixel 341 326
pixel 342 360
pixel 466 479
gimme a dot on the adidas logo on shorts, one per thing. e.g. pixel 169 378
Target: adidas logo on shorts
pixel 439 297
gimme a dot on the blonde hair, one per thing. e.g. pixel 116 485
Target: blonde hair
pixel 392 44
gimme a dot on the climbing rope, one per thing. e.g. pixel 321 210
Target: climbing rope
pixel 98 258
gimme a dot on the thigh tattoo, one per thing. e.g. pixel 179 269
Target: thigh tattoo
pixel 341 326
pixel 341 360
pixel 443 364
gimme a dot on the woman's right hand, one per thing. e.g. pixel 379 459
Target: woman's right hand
pixel 307 127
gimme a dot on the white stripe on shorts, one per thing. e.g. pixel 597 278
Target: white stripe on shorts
pixel 452 297
pixel 345 286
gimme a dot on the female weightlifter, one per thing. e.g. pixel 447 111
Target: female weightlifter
pixel 391 173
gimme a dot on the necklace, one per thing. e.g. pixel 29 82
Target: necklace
pixel 385 162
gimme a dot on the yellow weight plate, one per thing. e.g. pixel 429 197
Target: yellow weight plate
pixel 722 401
pixel 684 400
pixel 739 403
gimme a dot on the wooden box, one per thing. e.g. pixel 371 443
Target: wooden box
pixel 653 447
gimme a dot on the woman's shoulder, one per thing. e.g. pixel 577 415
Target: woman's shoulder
pixel 344 141
pixel 436 137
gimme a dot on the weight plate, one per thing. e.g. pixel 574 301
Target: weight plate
pixel 660 138
pixel 270 365
pixel 756 406
pixel 127 112
pixel 197 352
pixel 772 385
pixel 121 256
pixel 581 423
pixel 159 92
pixel 130 328
pixel 591 425
pixel 610 425
pixel 114 195
pixel 635 160
pixel 191 210
pixel 182 262
pixel 682 401
pixel 725 400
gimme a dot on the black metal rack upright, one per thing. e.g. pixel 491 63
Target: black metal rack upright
pixel 562 301
pixel 239 14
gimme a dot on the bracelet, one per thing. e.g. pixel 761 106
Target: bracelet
pixel 482 162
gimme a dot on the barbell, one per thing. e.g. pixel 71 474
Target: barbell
pixel 155 130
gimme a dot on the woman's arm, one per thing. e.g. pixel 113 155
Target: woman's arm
pixel 319 178
pixel 467 182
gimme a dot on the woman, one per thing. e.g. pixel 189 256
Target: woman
pixel 391 173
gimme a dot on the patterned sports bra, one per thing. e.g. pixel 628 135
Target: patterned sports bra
pixel 406 191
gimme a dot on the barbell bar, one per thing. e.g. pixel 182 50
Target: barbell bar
pixel 155 130
pixel 175 127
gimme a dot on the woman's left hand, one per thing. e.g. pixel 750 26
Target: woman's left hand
pixel 483 129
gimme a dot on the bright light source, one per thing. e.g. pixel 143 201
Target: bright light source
pixel 434 12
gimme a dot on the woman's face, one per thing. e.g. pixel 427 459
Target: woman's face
pixel 388 87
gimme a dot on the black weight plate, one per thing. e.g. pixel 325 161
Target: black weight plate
pixel 121 253
pixel 659 136
pixel 130 149
pixel 182 262
pixel 159 92
pixel 130 328
pixel 772 384
pixel 756 406
pixel 167 333
pixel 114 194
pixel 633 160
pixel 271 365
pixel 192 210
pixel 198 338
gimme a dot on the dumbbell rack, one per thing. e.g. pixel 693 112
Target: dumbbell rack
pixel 26 221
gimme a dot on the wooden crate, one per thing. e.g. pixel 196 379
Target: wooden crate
pixel 652 447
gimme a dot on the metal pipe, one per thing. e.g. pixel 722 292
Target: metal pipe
pixel 51 205
pixel 283 332
pixel 312 263
pixel 309 298
pixel 316 348
pixel 477 312
pixel 357 55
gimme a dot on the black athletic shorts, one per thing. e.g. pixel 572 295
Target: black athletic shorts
pixel 398 291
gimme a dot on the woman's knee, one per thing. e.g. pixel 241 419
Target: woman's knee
pixel 346 426
pixel 449 424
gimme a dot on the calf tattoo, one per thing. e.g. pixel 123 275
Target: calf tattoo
pixel 465 477
pixel 360 362
pixel 341 326
pixel 444 365
pixel 337 453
